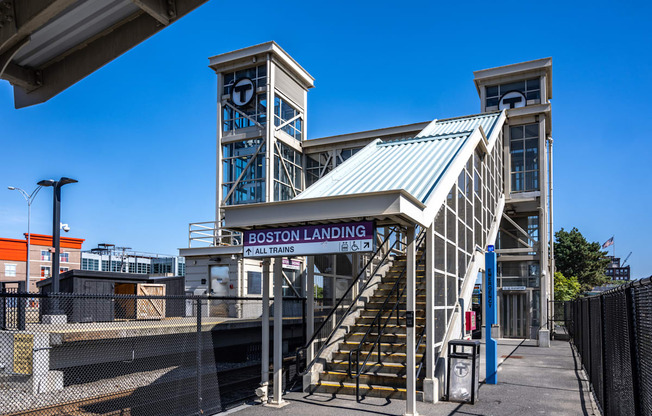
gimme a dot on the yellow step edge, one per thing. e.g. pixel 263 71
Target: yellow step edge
pixel 363 386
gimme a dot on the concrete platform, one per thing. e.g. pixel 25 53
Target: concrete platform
pixel 531 381
pixel 73 332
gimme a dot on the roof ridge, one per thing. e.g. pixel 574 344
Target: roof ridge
pixel 486 114
pixel 426 138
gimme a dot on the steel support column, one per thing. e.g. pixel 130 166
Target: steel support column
pixel 310 313
pixel 410 306
pixel 430 385
pixel 277 399
pixel 264 366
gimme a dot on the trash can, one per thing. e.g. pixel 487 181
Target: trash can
pixel 463 370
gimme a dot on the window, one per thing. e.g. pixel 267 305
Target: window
pixel 530 88
pixel 10 270
pixel 235 158
pixel 63 269
pixel 317 165
pixel 256 110
pixel 284 112
pixel 143 268
pixel 45 272
pixel 105 265
pixel 64 257
pixel 182 269
pixel 524 152
pixel 287 172
pixel 45 255
pixel 254 280
pixel 90 264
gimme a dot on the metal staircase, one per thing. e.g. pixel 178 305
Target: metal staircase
pixel 371 361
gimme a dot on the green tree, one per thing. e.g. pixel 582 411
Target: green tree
pixel 566 288
pixel 575 256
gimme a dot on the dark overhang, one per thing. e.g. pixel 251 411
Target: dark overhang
pixel 48 45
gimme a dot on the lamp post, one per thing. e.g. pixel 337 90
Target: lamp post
pixel 56 232
pixel 29 198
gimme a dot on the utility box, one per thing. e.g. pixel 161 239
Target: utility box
pixel 463 371
pixel 469 321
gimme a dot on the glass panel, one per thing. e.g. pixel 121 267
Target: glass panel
pixel 533 84
pixel 492 91
pixel 532 130
pixel 450 258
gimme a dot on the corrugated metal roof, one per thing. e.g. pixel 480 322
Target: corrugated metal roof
pixel 460 124
pixel 414 165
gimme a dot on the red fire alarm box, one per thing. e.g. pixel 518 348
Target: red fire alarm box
pixel 469 321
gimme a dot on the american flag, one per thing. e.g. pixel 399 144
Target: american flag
pixel 608 243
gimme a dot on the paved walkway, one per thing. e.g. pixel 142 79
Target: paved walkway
pixel 531 381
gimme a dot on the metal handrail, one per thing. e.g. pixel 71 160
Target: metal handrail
pixel 308 366
pixel 210 233
pixel 378 317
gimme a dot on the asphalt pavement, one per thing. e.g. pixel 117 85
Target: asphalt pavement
pixel 531 381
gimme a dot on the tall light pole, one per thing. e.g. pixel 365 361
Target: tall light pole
pixel 56 232
pixel 29 198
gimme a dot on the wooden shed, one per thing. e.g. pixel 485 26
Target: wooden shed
pixel 104 309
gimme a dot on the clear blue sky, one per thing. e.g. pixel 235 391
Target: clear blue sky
pixel 139 134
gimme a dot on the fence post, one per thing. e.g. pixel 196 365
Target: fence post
pixel 633 350
pixel 199 356
pixel 3 308
pixel 603 338
pixel 21 304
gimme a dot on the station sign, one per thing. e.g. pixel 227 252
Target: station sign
pixel 513 288
pixel 351 237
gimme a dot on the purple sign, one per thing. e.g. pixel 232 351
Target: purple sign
pixel 310 239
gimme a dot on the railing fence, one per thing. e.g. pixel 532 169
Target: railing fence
pixel 612 333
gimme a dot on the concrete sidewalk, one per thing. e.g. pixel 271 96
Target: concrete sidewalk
pixel 531 380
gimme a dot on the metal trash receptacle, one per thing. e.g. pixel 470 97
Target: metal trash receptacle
pixel 463 371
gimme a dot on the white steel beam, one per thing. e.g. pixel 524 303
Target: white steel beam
pixel 277 399
pixel 264 366
pixel 430 385
pixel 410 306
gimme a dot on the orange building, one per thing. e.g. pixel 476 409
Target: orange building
pixel 13 256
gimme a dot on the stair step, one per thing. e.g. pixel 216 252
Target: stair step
pixel 388 338
pixel 391 357
pixel 366 390
pixel 385 347
pixel 389 329
pixel 385 380
pixel 369 319
pixel 371 368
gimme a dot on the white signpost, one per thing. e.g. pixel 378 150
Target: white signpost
pixel 352 237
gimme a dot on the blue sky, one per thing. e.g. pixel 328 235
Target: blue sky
pixel 139 134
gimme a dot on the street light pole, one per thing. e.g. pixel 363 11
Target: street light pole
pixel 29 198
pixel 56 232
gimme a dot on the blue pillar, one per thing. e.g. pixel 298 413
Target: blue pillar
pixel 491 318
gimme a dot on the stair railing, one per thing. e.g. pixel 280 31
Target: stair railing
pixel 382 325
pixel 383 252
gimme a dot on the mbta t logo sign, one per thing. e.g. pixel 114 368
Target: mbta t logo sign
pixel 243 92
pixel 512 99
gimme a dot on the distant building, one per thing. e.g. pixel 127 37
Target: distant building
pixel 13 257
pixel 616 271
pixel 109 258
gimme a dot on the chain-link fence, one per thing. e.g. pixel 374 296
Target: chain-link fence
pixel 86 354
pixel 613 335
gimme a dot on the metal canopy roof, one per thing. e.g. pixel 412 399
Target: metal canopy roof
pixel 48 45
pixel 397 181
pixel 461 124
pixel 414 165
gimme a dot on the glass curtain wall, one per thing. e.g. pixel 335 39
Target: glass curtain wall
pixel 284 112
pixel 288 173
pixel 256 110
pixel 235 165
pixel 524 151
pixel 462 223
